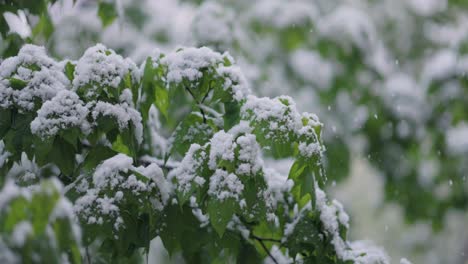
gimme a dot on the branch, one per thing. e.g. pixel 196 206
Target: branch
pixel 260 240
pixel 265 239
pixel 71 185
pixel 169 165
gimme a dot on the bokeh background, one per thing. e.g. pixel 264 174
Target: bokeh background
pixel 387 78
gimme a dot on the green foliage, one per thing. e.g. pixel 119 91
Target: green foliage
pixel 212 198
pixel 37 226
pixel 107 12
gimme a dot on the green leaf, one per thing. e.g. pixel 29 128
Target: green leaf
pixel 107 13
pixel 96 156
pixel 304 237
pixel 162 100
pixel 17 84
pixel 255 210
pixel 44 27
pixel 70 70
pixel 120 146
pixel 5 121
pixel 220 213
pixel 71 136
pixel 42 147
pixel 337 159
pixel 191 130
pixel 296 170
pixel 171 231
pixel 232 115
pixel 63 155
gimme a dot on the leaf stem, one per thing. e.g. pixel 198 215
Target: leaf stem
pixel 198 104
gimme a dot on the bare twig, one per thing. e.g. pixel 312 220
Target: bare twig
pixel 261 241
pixel 266 239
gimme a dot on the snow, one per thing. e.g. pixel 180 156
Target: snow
pixel 280 14
pixel 456 139
pixel 332 216
pixel 440 65
pixel 405 97
pixel 187 172
pixel 279 256
pixel 222 148
pixel 64 111
pixel 116 181
pixel 21 232
pixel 155 173
pixel 3 154
pixel 108 173
pixel 427 7
pixel 188 63
pixel 212 25
pixel 279 112
pixel 10 191
pixel 18 23
pixel 404 261
pixel 43 77
pixel 249 155
pixel 234 81
pixel 102 67
pixel 311 67
pixel 123 114
pixel 309 150
pixel 224 185
pixel 348 23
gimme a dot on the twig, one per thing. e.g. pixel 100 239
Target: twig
pixel 146 160
pixel 265 248
pixel 88 258
pixel 266 239
pixel 71 185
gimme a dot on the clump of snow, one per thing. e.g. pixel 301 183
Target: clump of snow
pixel 186 173
pixel 249 159
pixel 188 64
pixel 212 25
pixel 224 185
pixel 279 120
pixel 456 139
pixel 349 24
pixel 333 216
pixel 405 97
pixel 279 256
pixel 102 67
pixel 427 7
pixel 64 111
pixel 278 186
pixel 123 114
pixel 282 15
pixel 309 150
pixel 42 78
pixel 311 67
pixel 440 65
pixel 279 112
pixel 234 81
pixel 21 232
pixel 115 182
pixel 404 261
pixel 155 173
pixel 3 154
pixel 222 148
pixel 108 173
pixel 18 23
